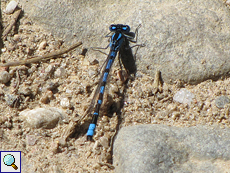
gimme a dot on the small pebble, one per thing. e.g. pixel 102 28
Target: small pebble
pixel 4 77
pixel 86 62
pixel 94 62
pixel 60 72
pixel 28 50
pixel 96 166
pixel 172 107
pixel 54 147
pixel 8 124
pixel 16 37
pixel 96 146
pixel 65 103
pixel 3 119
pixel 105 119
pixel 184 96
pixel 31 140
pixel 25 90
pixel 175 115
pixel 104 141
pixel 42 45
pixel 221 101
pixel 11 7
pixel 50 68
pixel 68 91
pixel 42 117
pixel 92 73
pixel 3 49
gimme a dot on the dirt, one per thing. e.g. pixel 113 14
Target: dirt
pixel 72 78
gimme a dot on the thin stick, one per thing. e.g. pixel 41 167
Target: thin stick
pixel 12 23
pixel 18 81
pixel 156 81
pixel 41 58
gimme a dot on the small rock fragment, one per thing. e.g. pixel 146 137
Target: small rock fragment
pixel 3 49
pixel 184 96
pixel 50 69
pixel 43 117
pixel 86 62
pixel 11 7
pixel 60 72
pixel 54 147
pixel 16 37
pixel 31 140
pixel 104 141
pixel 221 101
pixel 96 166
pixel 42 45
pixel 25 90
pixel 4 77
pixel 65 103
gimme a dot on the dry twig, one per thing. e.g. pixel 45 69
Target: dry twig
pixel 18 81
pixel 41 58
pixel 156 83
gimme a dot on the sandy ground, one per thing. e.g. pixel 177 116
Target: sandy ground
pixel 68 82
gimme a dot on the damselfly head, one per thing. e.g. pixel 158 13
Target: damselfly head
pixel 119 27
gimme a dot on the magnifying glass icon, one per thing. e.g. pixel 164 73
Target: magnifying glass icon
pixel 9 160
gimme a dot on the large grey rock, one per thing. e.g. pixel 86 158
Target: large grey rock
pixel 159 148
pixel 185 40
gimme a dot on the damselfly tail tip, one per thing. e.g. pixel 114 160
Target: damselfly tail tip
pixel 89 138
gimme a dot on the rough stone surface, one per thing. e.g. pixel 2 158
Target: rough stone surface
pixel 185 40
pixel 159 148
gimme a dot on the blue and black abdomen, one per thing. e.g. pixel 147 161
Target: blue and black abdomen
pixel 117 39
